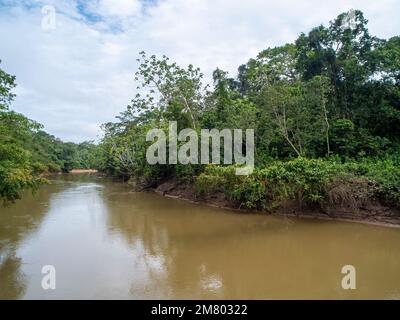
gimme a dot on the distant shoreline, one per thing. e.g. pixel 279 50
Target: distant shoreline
pixel 83 171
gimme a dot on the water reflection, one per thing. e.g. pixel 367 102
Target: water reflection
pixel 17 223
pixel 108 242
pixel 210 253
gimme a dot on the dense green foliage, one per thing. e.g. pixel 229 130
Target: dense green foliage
pixel 57 155
pixel 309 182
pixel 27 152
pixel 325 110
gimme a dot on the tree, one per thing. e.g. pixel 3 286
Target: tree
pixel 17 172
pixel 7 83
pixel 270 66
pixel 166 88
pixel 298 112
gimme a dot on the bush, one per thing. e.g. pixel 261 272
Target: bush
pixel 303 180
pixel 309 182
pixel 216 179
pixel 385 173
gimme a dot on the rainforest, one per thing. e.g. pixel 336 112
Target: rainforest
pixel 172 149
pixel 325 110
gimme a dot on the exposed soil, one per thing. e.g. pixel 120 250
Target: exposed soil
pixel 372 212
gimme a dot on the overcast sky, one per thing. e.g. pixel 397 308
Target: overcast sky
pixel 80 74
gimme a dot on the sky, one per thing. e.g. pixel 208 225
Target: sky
pixel 76 71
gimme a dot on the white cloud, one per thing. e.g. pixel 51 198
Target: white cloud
pixel 117 7
pixel 80 75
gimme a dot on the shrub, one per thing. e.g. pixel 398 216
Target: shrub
pixel 303 180
pixel 384 172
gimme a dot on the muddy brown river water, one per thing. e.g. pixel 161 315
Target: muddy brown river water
pixel 106 242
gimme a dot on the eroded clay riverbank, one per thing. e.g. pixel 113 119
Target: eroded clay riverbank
pixel 373 213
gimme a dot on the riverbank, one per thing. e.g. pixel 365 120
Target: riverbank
pixel 47 175
pixel 83 171
pixel 373 213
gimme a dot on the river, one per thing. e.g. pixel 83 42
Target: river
pixel 107 242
